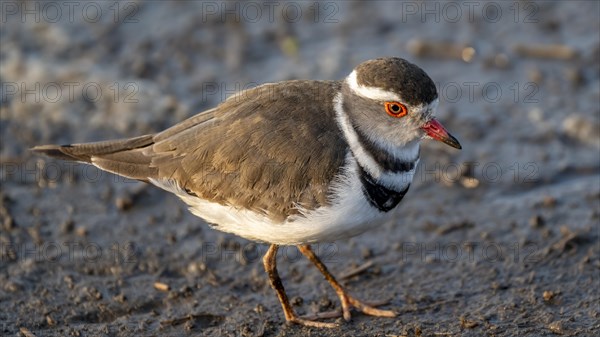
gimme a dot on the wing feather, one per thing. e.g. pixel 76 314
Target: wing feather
pixel 266 149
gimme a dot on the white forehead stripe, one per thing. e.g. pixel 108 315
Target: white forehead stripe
pixel 370 92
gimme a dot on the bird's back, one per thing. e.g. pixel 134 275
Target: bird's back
pixel 266 149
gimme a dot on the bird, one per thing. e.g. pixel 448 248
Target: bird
pixel 292 163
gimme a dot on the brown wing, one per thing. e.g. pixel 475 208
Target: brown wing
pixel 265 149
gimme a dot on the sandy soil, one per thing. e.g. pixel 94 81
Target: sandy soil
pixel 499 239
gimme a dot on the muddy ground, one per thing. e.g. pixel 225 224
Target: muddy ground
pixel 499 239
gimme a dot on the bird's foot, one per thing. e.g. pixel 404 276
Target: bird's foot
pixel 349 302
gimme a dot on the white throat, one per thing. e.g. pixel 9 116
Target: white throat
pixel 396 181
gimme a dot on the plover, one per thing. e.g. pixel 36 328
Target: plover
pixel 291 163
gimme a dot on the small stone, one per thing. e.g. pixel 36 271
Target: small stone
pixel 259 309
pixel 546 51
pixel 67 226
pixel 171 238
pixel 196 268
pixel 81 231
pixel 25 332
pixel 50 321
pixel 537 221
pixel 12 287
pixel 548 295
pixel 574 76
pixel 94 293
pixel 556 327
pixel 501 61
pixel 549 202
pixel 161 286
pixel 583 129
pixel 9 223
pixel 535 75
pixel 68 279
pixel 189 325
pixel 121 298
pixel 325 303
pixel 467 323
pixel 468 53
pixel 366 253
pixel 469 182
pixel 123 203
pixel 297 301
pixel 185 291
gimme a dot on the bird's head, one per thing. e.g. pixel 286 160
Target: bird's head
pixel 395 101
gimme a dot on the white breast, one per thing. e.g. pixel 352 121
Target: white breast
pixel 348 215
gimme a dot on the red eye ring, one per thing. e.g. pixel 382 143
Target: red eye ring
pixel 396 109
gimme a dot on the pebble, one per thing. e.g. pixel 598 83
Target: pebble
pixel 25 332
pixel 469 182
pixel 12 287
pixel 81 231
pixel 297 301
pixel 548 295
pixel 575 76
pixel 549 51
pixel 67 226
pixel 123 203
pixel 50 321
pixel 467 323
pixel 8 222
pixel 537 221
pixel 161 286
pixel 535 75
pixel 501 61
pixel 556 327
pixel 549 202
pixel 437 49
pixel 94 293
pixel 195 268
pixel 325 303
pixel 121 298
pixel 583 129
pixel 366 253
pixel 259 309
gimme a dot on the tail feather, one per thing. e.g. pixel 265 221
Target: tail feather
pixel 124 157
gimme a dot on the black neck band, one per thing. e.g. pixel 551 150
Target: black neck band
pixel 378 195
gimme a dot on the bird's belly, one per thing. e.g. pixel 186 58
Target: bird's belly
pixel 353 216
pixel 348 214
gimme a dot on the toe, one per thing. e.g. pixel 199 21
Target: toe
pixel 370 309
pixel 313 324
pixel 378 312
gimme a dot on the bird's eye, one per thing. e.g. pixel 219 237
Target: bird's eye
pixel 396 109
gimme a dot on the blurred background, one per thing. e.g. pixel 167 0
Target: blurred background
pixel 500 238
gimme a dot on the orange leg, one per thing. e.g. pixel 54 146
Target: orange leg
pixel 270 263
pixel 347 300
